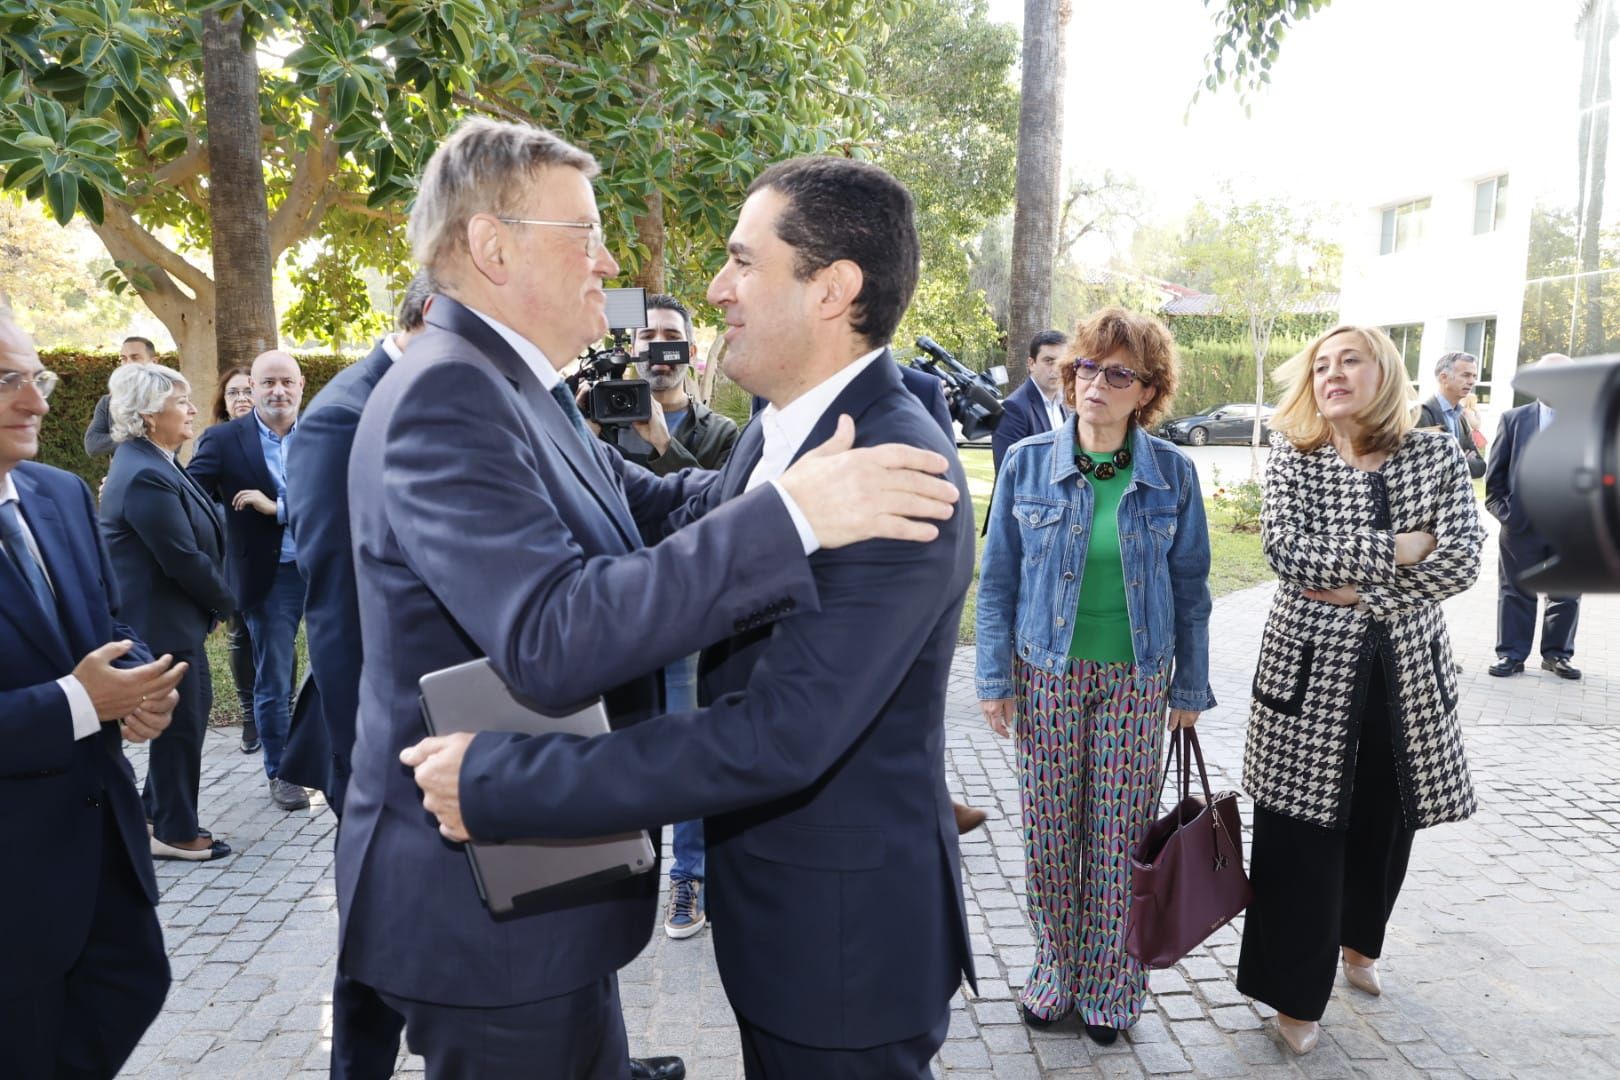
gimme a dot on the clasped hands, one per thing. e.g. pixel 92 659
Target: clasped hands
pixel 1411 548
pixel 141 699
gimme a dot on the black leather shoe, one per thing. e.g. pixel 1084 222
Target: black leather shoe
pixel 1036 1022
pixel 1102 1034
pixel 250 737
pixel 1561 668
pixel 1505 667
pixel 658 1068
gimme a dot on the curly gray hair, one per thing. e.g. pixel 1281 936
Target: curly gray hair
pixel 137 391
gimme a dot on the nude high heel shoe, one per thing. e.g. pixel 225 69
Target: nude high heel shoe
pixel 1300 1035
pixel 1363 977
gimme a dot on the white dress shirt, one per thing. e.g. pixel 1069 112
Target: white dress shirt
pixel 391 347
pixel 531 355
pixel 785 431
pixel 1544 416
pixel 80 707
pixel 1054 408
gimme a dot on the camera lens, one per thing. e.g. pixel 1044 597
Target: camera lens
pixel 620 401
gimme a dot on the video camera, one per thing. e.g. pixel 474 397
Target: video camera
pixel 974 398
pixel 1567 478
pixel 616 401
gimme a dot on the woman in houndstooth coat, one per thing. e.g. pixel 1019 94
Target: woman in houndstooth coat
pixel 1353 742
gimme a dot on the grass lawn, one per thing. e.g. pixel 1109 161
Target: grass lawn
pixel 1235 558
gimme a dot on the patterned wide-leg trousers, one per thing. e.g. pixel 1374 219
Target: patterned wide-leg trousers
pixel 1088 763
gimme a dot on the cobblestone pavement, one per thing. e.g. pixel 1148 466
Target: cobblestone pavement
pixel 1503 958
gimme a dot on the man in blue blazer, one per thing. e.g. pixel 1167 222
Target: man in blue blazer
pixel 82 967
pixel 922 385
pixel 243 464
pixel 819 763
pixel 1522 547
pixel 488 522
pixel 1037 405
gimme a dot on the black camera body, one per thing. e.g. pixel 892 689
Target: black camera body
pixel 667 353
pixel 621 401
pixel 614 400
pixel 973 398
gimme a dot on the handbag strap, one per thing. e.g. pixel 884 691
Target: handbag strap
pixel 1209 801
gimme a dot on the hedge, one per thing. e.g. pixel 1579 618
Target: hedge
pixel 1216 373
pixel 1221 329
pixel 84 380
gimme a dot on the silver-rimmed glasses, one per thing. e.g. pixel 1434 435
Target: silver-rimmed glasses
pixel 43 381
pixel 595 242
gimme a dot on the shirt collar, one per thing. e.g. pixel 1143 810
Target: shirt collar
pixel 527 351
pixel 8 490
pixel 792 425
pixel 391 347
pixel 265 430
pixel 1049 401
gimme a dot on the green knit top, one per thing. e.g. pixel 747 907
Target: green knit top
pixel 1102 622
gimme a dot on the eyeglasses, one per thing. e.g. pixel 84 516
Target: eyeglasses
pixel 241 392
pixel 43 381
pixel 595 242
pixel 1118 377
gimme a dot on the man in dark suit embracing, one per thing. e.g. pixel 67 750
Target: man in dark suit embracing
pixel 488 522
pixel 819 761
pixel 82 968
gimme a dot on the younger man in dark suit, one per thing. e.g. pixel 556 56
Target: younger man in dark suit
pixel 1037 405
pixel 1522 547
pixel 82 968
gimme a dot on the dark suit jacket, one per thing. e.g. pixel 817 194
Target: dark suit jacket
pixel 322 736
pixel 925 388
pixel 1023 414
pixel 819 766
pixel 484 525
pixel 1432 414
pixel 52 788
pixel 167 547
pixel 1517 428
pixel 229 458
pixel 98 436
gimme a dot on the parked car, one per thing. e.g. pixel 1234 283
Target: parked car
pixel 1223 424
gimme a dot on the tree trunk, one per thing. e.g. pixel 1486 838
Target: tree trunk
pixel 1598 30
pixel 1040 171
pixel 1260 337
pixel 650 231
pixel 244 309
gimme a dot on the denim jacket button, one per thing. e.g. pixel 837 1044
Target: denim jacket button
pixel 1061 622
pixel 1075 529
pixel 1068 576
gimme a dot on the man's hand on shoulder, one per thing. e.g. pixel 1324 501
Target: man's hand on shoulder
pixel 436 762
pixel 889 492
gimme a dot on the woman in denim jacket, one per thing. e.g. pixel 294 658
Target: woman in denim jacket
pixel 1093 617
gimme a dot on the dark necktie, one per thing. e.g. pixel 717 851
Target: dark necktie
pixel 11 532
pixel 565 401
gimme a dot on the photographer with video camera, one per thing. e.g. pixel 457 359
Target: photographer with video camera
pixel 683 432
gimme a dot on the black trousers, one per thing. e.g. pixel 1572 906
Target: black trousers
pixel 574 1036
pixel 240 640
pixel 365 1032
pixel 1317 889
pixel 771 1057
pixel 82 1024
pixel 1516 608
pixel 174 762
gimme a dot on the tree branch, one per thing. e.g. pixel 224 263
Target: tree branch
pixel 122 233
pixel 558 62
pixel 354 202
pixel 188 166
pixel 295 218
pixel 493 106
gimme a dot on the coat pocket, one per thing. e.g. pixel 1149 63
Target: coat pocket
pixel 816 847
pixel 1037 525
pixel 1445 674
pixel 1284 673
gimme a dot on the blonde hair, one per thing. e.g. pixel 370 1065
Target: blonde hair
pixel 1384 422
pixel 482 168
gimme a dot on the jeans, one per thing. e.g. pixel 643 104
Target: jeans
pixel 680 695
pixel 273 622
pixel 241 649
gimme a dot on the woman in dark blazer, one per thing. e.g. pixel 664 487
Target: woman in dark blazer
pixel 167 547
pixel 1353 741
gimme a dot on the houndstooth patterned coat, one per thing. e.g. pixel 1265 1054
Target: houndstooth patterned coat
pixel 1325 524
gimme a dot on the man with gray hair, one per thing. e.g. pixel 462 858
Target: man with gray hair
pixel 1455 374
pixel 1522 547
pixel 488 522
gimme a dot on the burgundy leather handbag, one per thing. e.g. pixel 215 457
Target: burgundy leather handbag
pixel 1187 876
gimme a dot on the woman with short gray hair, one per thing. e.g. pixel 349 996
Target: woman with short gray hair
pixel 167 547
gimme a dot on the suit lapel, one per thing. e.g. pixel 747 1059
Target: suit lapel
pixel 50 632
pixel 880 377
pixel 744 457
pixel 548 416
pixel 1039 420
pixel 253 448
pixel 204 507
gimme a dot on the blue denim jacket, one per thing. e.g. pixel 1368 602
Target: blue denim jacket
pixel 1029 576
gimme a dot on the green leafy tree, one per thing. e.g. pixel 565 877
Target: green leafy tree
pixel 1248 39
pixel 103 112
pixel 1263 260
pixel 334 303
pixel 947 118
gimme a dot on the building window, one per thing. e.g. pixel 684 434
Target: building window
pixel 1479 338
pixel 1408 341
pixel 1403 226
pixel 1490 204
